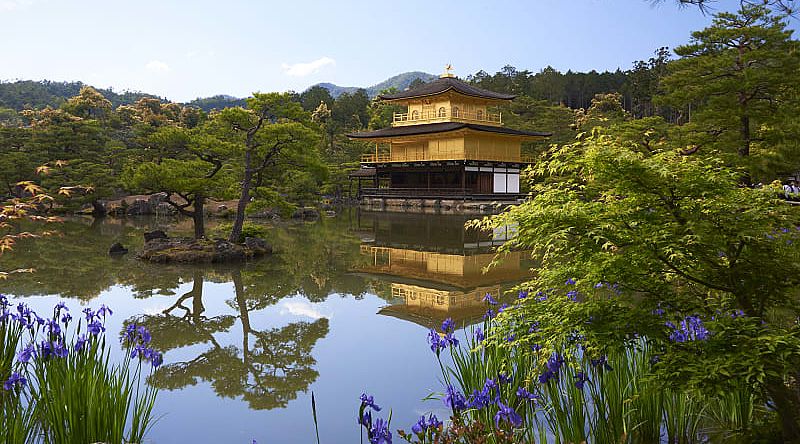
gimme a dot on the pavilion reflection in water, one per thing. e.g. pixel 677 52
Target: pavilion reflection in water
pixel 437 269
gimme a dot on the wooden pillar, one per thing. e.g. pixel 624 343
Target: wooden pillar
pixel 464 181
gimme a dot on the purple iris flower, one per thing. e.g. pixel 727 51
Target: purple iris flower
pixel 60 349
pixel 454 399
pixel 601 362
pixel 369 401
pixel 380 433
pixel 103 311
pixel 95 327
pixel 507 414
pixel 366 418
pixel 422 425
pixel 480 398
pixel 437 342
pixel 81 342
pixel 522 393
pixel 691 328
pixel 15 380
pixel 448 325
pixel 53 327
pixel 26 353
pixel 488 298
pixel 580 379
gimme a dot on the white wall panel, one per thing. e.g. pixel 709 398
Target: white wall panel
pixel 512 183
pixel 500 182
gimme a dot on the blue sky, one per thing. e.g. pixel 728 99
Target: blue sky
pixel 187 49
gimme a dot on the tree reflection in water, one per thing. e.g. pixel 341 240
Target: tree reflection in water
pixel 269 368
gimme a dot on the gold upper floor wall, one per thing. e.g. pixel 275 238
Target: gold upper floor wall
pixel 449 107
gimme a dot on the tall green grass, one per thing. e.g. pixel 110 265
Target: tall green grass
pixel 73 391
pixel 618 402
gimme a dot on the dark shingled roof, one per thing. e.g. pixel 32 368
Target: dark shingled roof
pixel 430 128
pixel 362 172
pixel 445 84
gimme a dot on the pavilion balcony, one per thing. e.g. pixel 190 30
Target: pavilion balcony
pixel 422 157
pixel 446 115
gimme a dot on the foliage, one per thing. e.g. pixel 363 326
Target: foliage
pixel 738 79
pixel 272 134
pixel 654 238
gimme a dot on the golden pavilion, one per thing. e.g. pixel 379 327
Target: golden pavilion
pixel 447 145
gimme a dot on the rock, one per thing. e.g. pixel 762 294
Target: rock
pixel 85 210
pixel 139 207
pixel 222 207
pixel 225 251
pixel 117 249
pixel 165 209
pixel 155 234
pixel 266 214
pixel 155 199
pixel 330 213
pixel 258 245
pixel 306 213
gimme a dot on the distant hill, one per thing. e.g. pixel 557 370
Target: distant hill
pixel 23 94
pixel 217 102
pixel 400 81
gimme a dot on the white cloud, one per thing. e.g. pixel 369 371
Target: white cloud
pixel 304 69
pixel 301 308
pixel 13 5
pixel 157 66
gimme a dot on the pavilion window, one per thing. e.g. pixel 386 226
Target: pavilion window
pixel 415 115
pixel 455 111
pixel 442 112
pixel 479 115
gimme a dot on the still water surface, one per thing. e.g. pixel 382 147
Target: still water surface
pixel 342 307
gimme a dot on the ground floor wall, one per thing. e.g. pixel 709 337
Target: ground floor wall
pixel 445 180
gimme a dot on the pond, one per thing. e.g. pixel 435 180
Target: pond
pixel 342 307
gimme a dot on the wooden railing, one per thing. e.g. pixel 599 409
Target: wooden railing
pixel 417 157
pixel 433 192
pixel 414 118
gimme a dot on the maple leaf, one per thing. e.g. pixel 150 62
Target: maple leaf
pixel 30 187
